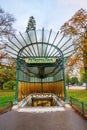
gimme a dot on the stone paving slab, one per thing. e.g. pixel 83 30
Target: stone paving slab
pixel 40 109
pixel 61 120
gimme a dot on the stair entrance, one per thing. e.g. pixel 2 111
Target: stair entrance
pixel 43 100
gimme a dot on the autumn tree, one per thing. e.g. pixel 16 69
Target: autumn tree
pixel 31 24
pixel 6 74
pixel 6 24
pixel 2 52
pixel 6 30
pixel 76 27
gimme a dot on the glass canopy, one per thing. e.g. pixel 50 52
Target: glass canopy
pixel 24 45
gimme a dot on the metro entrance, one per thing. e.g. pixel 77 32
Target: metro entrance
pixel 40 62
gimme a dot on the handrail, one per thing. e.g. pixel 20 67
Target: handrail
pixel 79 105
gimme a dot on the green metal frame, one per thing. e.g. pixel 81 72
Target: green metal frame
pixel 59 50
pixel 21 50
pixel 64 77
pixel 63 67
pixel 17 79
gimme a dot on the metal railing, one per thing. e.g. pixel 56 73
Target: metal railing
pixel 79 106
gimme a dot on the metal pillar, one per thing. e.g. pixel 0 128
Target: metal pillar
pixel 17 78
pixel 64 77
pixel 41 85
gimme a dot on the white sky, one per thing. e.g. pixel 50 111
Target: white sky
pixel 47 13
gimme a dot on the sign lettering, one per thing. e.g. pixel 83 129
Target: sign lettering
pixel 40 60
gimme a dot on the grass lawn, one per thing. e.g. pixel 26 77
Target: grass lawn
pixel 5 97
pixel 81 95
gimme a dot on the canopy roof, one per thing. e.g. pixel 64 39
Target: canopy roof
pixel 40 52
pixel 28 44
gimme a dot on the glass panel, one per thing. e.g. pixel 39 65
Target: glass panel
pixel 46 36
pixel 68 51
pixel 48 69
pixel 39 35
pixel 32 36
pixel 52 37
pixel 11 50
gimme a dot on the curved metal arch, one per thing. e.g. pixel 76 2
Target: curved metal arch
pixel 43 36
pixel 59 50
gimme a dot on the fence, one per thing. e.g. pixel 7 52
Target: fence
pixel 79 106
pixel 6 106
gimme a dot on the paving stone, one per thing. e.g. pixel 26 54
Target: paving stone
pixel 60 120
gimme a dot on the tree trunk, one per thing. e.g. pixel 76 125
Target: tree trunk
pixel 86 76
pixel 1 86
pixel 12 87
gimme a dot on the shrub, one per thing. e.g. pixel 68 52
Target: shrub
pixel 10 84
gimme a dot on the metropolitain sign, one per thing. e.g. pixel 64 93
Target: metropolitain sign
pixel 40 60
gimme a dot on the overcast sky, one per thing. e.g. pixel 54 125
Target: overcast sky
pixel 47 13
